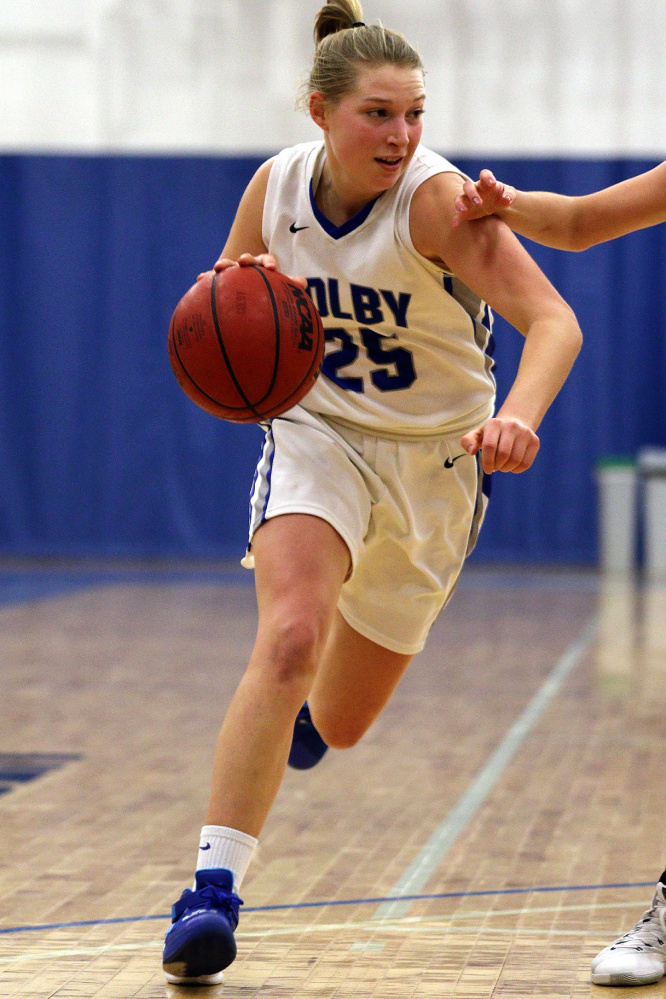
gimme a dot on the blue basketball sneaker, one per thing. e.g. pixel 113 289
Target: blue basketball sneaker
pixel 200 943
pixel 307 746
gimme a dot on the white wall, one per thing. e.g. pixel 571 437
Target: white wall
pixel 504 76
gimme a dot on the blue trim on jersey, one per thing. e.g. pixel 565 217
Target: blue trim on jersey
pixel 485 321
pixel 337 231
pixel 268 477
pixel 254 486
pixel 257 483
pixel 483 485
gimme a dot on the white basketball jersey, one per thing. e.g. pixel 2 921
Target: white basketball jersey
pixel 405 341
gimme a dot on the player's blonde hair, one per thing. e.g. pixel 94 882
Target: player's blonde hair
pixel 344 45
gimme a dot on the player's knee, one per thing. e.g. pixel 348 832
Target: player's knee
pixel 341 739
pixel 340 733
pixel 296 643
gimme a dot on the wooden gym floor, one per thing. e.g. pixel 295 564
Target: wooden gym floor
pixel 512 790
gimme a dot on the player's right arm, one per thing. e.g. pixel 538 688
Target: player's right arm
pixel 245 243
pixel 568 223
pixel 246 236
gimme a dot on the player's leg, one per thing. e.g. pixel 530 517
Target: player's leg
pixel 638 957
pixel 354 682
pixel 400 583
pixel 301 563
pixel 355 679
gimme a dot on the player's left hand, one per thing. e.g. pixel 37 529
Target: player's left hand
pixel 485 197
pixel 506 445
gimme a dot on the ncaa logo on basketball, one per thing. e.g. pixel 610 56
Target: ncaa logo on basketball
pixel 306 330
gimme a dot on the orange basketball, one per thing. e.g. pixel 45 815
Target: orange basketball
pixel 246 343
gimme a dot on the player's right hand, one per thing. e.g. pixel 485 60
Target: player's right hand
pixel 266 260
pixel 485 197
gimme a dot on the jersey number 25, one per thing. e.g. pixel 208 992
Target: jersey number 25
pixel 384 357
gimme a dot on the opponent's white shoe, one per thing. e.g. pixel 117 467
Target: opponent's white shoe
pixel 637 958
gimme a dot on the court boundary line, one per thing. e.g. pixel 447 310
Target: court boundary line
pixel 431 854
pixel 345 901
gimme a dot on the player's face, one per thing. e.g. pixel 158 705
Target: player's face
pixel 373 131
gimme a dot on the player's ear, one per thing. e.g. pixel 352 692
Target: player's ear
pixel 317 106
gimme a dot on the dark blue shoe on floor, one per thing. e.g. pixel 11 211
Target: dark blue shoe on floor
pixel 307 746
pixel 200 943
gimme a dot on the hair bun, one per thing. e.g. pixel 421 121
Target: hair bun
pixel 341 54
pixel 337 15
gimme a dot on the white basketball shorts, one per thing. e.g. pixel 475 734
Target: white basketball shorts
pixel 409 512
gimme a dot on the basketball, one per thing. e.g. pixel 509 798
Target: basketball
pixel 246 343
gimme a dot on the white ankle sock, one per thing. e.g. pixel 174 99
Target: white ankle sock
pixel 223 847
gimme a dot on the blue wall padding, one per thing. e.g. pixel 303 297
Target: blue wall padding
pixel 101 454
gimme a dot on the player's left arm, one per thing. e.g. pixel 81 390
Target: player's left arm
pixel 489 259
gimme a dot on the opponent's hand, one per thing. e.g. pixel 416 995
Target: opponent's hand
pixel 506 445
pixel 485 197
pixel 266 260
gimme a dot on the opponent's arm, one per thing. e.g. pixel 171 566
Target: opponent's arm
pixel 568 223
pixel 491 261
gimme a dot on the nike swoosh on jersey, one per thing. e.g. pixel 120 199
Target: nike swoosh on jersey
pixel 449 461
pixel 297 228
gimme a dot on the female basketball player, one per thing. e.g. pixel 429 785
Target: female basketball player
pixel 370 494
pixel 638 957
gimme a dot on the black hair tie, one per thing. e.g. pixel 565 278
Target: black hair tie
pixel 358 24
